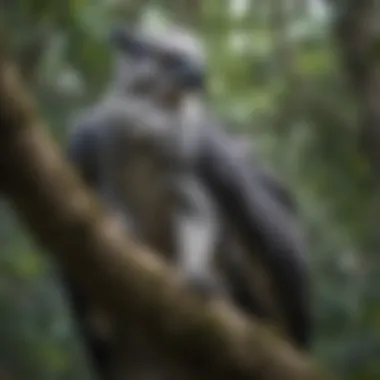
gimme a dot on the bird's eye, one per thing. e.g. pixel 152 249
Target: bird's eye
pixel 138 49
pixel 127 42
pixel 173 62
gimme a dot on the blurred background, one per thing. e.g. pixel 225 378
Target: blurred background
pixel 295 77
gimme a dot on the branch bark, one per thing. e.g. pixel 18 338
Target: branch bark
pixel 123 276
